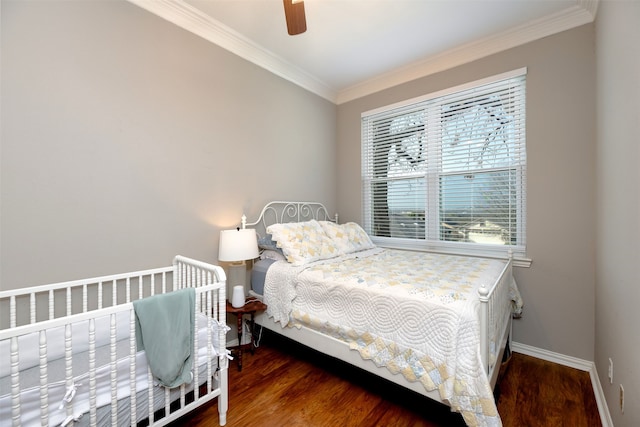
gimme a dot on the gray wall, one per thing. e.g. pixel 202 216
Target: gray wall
pixel 126 140
pixel 618 222
pixel 122 145
pixel 558 288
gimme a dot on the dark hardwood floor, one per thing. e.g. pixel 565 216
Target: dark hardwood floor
pixel 285 384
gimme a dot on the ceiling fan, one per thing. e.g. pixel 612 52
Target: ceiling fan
pixel 294 13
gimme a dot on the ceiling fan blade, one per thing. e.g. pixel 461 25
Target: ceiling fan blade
pixel 294 13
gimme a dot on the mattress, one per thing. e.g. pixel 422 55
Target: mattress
pixel 414 313
pixel 259 273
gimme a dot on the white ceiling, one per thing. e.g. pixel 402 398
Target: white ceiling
pixel 356 47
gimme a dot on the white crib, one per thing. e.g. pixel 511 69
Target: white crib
pixel 68 350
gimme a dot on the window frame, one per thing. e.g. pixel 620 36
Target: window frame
pixel 433 180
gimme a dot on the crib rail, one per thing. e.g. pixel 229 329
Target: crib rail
pixel 47 302
pixel 80 314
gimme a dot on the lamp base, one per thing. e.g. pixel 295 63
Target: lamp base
pixel 237 277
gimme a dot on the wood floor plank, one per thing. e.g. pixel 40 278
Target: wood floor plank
pixel 537 392
pixel 286 384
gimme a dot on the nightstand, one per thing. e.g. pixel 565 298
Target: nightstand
pixel 250 307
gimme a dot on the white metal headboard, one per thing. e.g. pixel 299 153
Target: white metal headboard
pixel 278 212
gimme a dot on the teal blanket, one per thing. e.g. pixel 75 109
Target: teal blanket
pixel 165 331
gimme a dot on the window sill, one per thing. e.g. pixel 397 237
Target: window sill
pixel 518 261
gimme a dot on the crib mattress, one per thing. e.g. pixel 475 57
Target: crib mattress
pixel 123 408
pixel 79 392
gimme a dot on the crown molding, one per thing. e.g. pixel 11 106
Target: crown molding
pixel 193 20
pixel 590 6
pixel 564 20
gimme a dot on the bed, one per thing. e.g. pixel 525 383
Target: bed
pixel 437 324
pixel 93 352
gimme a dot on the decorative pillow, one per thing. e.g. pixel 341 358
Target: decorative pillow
pixel 268 244
pixel 348 237
pixel 272 255
pixel 303 242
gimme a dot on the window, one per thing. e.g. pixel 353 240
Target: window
pixel 447 171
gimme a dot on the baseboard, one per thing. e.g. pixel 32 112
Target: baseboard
pixel 234 342
pixel 605 415
pixel 572 362
pixel 550 356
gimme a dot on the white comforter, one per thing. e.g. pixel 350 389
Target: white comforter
pixel 415 313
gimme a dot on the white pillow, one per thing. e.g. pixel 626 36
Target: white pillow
pixel 303 242
pixel 348 237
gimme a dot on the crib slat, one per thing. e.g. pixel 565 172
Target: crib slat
pixel 68 360
pixel 194 351
pixel 114 293
pixel 132 362
pixel 210 296
pixel 44 386
pixel 207 309
pixel 99 295
pixel 85 298
pixel 150 396
pixel 114 376
pixel 69 301
pixel 179 278
pixel 182 395
pixel 92 372
pixel 51 306
pixel 15 382
pixel 177 272
pixel 32 307
pixel 167 401
pixel 12 311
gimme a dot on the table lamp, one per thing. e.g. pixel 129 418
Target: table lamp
pixel 237 246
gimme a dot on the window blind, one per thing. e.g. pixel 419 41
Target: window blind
pixel 448 171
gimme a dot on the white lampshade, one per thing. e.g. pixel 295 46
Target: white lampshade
pixel 238 245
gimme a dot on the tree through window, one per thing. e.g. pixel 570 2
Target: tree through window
pixel 449 170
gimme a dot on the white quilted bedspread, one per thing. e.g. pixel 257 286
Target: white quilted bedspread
pixel 415 313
